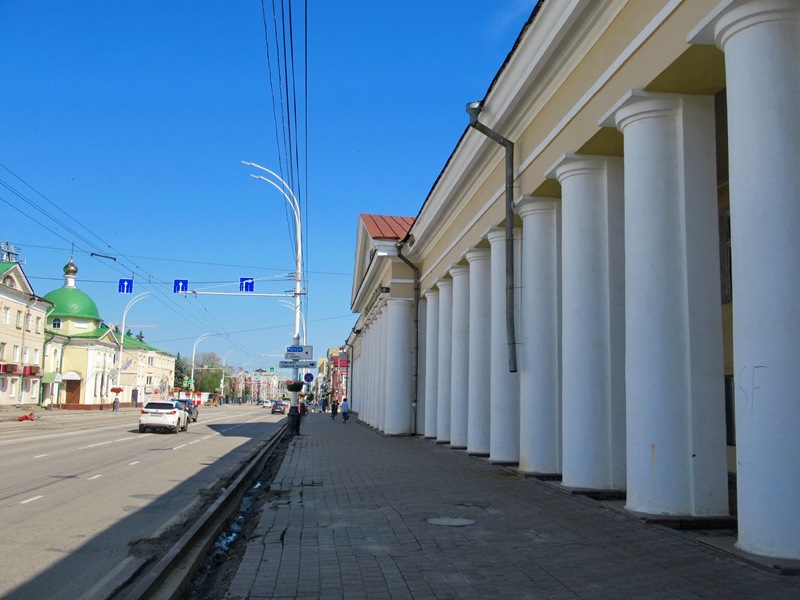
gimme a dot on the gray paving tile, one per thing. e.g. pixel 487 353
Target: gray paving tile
pixel 352 504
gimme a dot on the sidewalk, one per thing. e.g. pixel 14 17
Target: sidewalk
pixel 351 521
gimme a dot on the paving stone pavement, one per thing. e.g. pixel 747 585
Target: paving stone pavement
pixel 350 521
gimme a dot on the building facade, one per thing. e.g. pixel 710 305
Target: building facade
pixel 22 335
pixel 85 367
pixel 573 314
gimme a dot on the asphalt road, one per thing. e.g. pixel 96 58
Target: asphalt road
pixel 86 499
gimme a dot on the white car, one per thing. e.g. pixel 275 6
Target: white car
pixel 166 415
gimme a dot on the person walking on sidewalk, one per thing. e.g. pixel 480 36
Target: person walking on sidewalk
pixel 345 407
pixel 334 409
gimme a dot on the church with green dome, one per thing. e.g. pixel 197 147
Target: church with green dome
pixel 85 366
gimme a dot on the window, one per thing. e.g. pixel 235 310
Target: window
pixel 150 361
pixel 27 321
pixel 2 350
pixel 38 324
pixel 8 282
pixel 6 316
pixel 36 356
pixel 149 380
pixel 19 319
pixel 25 355
pixel 15 358
pixel 725 254
pixel 56 323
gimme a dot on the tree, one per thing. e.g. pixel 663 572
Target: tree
pixel 207 372
pixel 181 370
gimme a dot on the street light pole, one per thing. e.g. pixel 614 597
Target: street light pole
pixel 194 348
pixel 133 301
pixel 290 197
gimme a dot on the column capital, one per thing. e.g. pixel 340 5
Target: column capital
pixel 395 301
pixel 638 104
pixel 458 269
pixel 531 205
pixel 475 254
pixel 576 164
pixel 431 292
pixel 733 16
pixel 497 234
pixel 446 282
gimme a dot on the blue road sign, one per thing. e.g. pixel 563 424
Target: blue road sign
pixel 308 377
pixel 180 286
pixel 125 286
pixel 247 284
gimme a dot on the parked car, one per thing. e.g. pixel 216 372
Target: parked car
pixel 278 407
pixel 191 409
pixel 265 403
pixel 163 415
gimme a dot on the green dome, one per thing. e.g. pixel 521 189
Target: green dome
pixel 72 303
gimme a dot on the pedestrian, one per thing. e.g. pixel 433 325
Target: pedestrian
pixel 345 408
pixel 334 409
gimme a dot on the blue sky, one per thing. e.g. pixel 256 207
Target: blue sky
pixel 123 124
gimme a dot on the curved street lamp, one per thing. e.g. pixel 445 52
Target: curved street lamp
pixel 118 386
pixel 194 348
pixel 290 197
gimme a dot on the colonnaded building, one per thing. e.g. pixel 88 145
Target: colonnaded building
pixel 602 285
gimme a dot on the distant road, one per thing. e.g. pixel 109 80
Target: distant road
pixel 77 490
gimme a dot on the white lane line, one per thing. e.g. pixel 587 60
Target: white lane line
pixel 179 447
pixel 95 477
pixel 41 456
pixel 94 445
pixel 136 462
pixel 31 499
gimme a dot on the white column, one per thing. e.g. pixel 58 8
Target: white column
pixel 480 331
pixel 380 379
pixel 504 403
pixel 540 386
pixel 421 358
pixel 431 363
pixel 761 41
pixel 399 384
pixel 593 345
pixel 369 401
pixel 365 365
pixel 445 286
pixel 459 383
pixel 674 368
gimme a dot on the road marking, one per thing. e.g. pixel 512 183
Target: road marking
pixel 136 462
pixel 179 447
pixel 31 499
pixel 41 455
pixel 95 477
pixel 95 445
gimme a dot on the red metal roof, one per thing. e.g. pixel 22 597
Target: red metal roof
pixel 382 227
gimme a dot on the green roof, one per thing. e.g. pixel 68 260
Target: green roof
pixel 72 303
pixel 133 342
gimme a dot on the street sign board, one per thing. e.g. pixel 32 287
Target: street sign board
pixel 246 284
pixel 299 352
pixel 180 286
pixel 308 377
pixel 297 364
pixel 125 286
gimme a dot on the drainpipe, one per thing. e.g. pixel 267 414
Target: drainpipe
pixel 474 110
pixel 415 375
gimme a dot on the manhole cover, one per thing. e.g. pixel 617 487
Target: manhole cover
pixel 450 521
